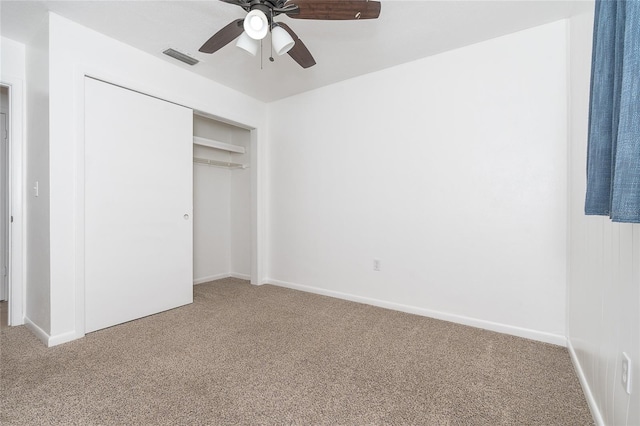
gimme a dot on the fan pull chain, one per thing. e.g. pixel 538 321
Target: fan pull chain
pixel 271 35
pixel 271 57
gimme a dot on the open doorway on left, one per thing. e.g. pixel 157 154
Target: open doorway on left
pixel 4 206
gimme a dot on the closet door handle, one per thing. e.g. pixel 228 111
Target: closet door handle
pixel 186 216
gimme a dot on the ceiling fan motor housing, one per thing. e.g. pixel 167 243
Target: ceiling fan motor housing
pixel 264 9
pixel 269 8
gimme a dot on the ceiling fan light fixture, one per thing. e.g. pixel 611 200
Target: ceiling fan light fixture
pixel 248 44
pixel 281 40
pixel 256 24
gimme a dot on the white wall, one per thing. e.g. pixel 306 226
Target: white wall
pixel 222 205
pixel 12 55
pixel 239 204
pixel 38 294
pixel 76 50
pixel 603 297
pixel 451 170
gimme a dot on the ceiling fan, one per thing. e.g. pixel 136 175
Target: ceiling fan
pixel 260 20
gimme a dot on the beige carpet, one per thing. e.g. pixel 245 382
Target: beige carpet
pixel 266 355
pixel 4 314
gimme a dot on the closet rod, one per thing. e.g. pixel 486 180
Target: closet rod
pixel 223 164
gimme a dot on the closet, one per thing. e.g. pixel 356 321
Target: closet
pixel 167 203
pixel 221 200
pixel 138 197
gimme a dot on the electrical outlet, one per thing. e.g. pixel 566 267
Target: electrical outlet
pixel 376 265
pixel 626 372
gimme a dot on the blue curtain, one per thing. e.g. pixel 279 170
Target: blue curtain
pixel 613 154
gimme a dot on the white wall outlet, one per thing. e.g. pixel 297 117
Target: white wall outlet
pixel 626 372
pixel 376 265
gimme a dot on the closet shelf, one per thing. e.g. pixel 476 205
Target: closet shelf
pixel 218 145
pixel 215 163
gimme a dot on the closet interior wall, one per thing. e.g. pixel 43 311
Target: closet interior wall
pixel 221 204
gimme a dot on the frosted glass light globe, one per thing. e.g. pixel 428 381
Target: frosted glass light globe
pixel 281 40
pixel 256 24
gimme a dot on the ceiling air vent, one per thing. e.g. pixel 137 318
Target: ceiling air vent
pixel 181 56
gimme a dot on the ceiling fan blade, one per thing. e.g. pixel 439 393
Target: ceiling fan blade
pixel 223 37
pixel 299 51
pixel 334 9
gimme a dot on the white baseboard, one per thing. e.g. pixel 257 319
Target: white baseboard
pixel 59 339
pixel 591 401
pixel 47 339
pixel 240 276
pixel 221 276
pixel 210 278
pixel 555 339
pixel 42 335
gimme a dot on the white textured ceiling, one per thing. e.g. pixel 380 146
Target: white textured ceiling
pixel 405 31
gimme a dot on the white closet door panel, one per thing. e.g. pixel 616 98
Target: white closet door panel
pixel 138 205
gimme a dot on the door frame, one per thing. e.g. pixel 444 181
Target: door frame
pixel 258 182
pixel 15 198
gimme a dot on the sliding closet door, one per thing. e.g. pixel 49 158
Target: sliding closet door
pixel 138 205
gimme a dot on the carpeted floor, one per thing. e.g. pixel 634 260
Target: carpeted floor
pixel 4 313
pixel 266 355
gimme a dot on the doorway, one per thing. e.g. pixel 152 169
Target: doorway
pixel 5 237
pixel 11 201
